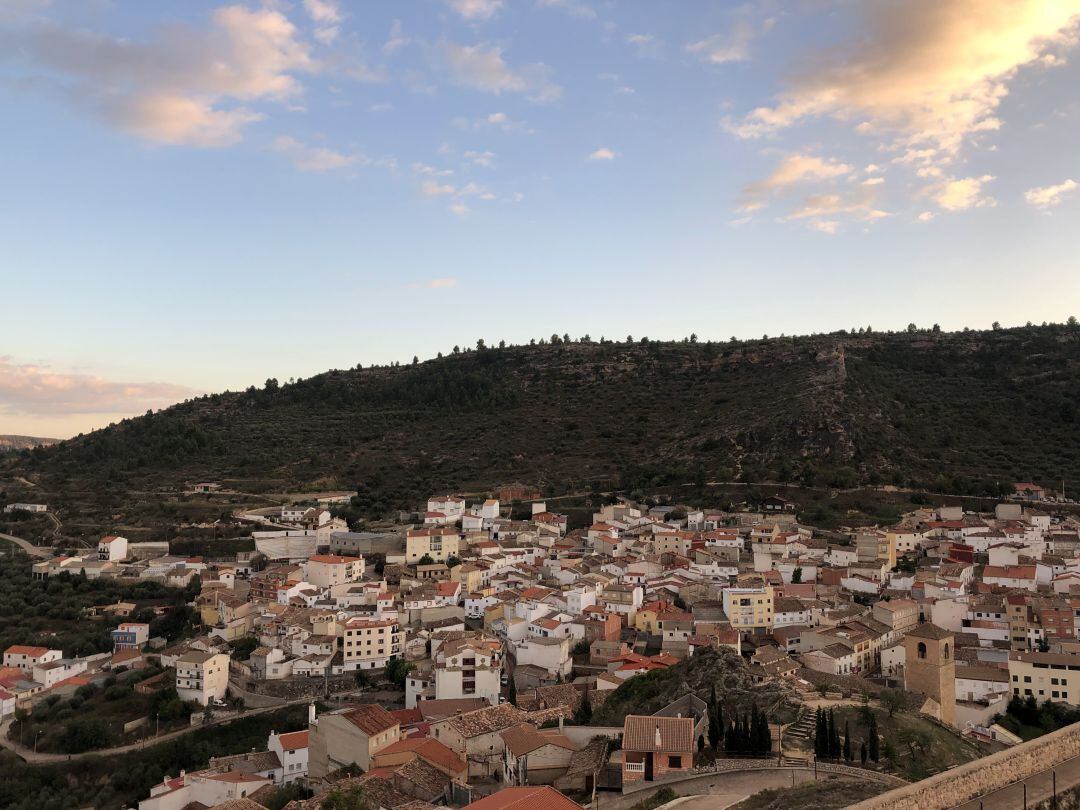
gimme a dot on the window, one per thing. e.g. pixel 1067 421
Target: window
pixel 921 650
pixel 674 762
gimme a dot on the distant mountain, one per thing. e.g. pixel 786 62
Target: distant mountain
pixel 962 412
pixel 10 444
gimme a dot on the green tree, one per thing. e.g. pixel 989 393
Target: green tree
pixel 796 576
pixel 426 560
pixel 893 701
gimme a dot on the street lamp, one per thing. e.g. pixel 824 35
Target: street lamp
pixel 36 738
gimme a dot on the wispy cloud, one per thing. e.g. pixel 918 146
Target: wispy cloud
pixel 792 170
pixel 476 9
pixel 482 67
pixel 1047 197
pixel 575 7
pixel 926 75
pixel 496 120
pixel 434 284
pixel 645 45
pixel 326 14
pixel 963 193
pixel 315 158
pixel 35 389
pixel 732 44
pixel 184 86
pixel 603 153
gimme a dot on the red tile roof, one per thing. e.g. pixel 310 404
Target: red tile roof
pixel 542 797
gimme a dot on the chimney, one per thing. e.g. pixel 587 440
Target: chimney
pixel 560 724
pixel 311 713
pixel 658 742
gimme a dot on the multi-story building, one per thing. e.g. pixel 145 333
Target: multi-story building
pixel 369 644
pixel 112 548
pixel 292 752
pixel 130 636
pixel 468 668
pixel 26 658
pixel 1045 676
pixel 349 737
pixel 898 614
pixel 326 570
pixel 202 676
pixel 750 609
pixel 436 543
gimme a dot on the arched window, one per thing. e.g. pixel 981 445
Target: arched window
pixel 921 650
pixel 945 651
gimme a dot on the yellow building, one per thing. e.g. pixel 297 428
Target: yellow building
pixel 750 609
pixel 437 543
pixel 1045 676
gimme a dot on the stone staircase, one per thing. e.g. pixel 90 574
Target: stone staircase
pixel 803 728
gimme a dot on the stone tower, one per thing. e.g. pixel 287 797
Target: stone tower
pixel 930 668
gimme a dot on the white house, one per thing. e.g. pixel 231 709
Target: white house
pixel 26 658
pixel 202 676
pixel 292 751
pixel 112 548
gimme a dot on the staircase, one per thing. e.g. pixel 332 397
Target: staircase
pixel 803 728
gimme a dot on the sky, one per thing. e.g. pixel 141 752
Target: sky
pixel 201 195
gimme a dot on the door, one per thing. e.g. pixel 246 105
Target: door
pixel 648 767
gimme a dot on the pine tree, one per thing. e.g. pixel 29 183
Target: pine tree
pixel 847 741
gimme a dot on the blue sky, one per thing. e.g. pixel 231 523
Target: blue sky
pixel 202 195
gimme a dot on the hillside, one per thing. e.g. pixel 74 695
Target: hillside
pixel 965 413
pixel 713 667
pixel 11 444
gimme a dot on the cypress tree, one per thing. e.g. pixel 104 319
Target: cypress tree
pixel 819 734
pixel 862 753
pixel 847 741
pixel 715 720
pixel 834 737
pixel 873 747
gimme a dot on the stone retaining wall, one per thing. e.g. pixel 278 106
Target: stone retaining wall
pixel 967 782
pixel 723 766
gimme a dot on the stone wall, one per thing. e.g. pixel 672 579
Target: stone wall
pixel 847 684
pixel 967 782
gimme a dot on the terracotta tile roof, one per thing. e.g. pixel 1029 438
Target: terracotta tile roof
pixel 524 738
pixel 486 721
pixel 293 740
pixel 543 797
pixel 20 649
pixel 673 734
pixel 370 718
pixel 429 749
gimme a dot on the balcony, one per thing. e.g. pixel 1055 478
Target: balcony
pixel 634 767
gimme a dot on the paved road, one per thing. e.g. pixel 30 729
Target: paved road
pixel 28 547
pixel 1039 787
pixel 27 753
pixel 711 791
